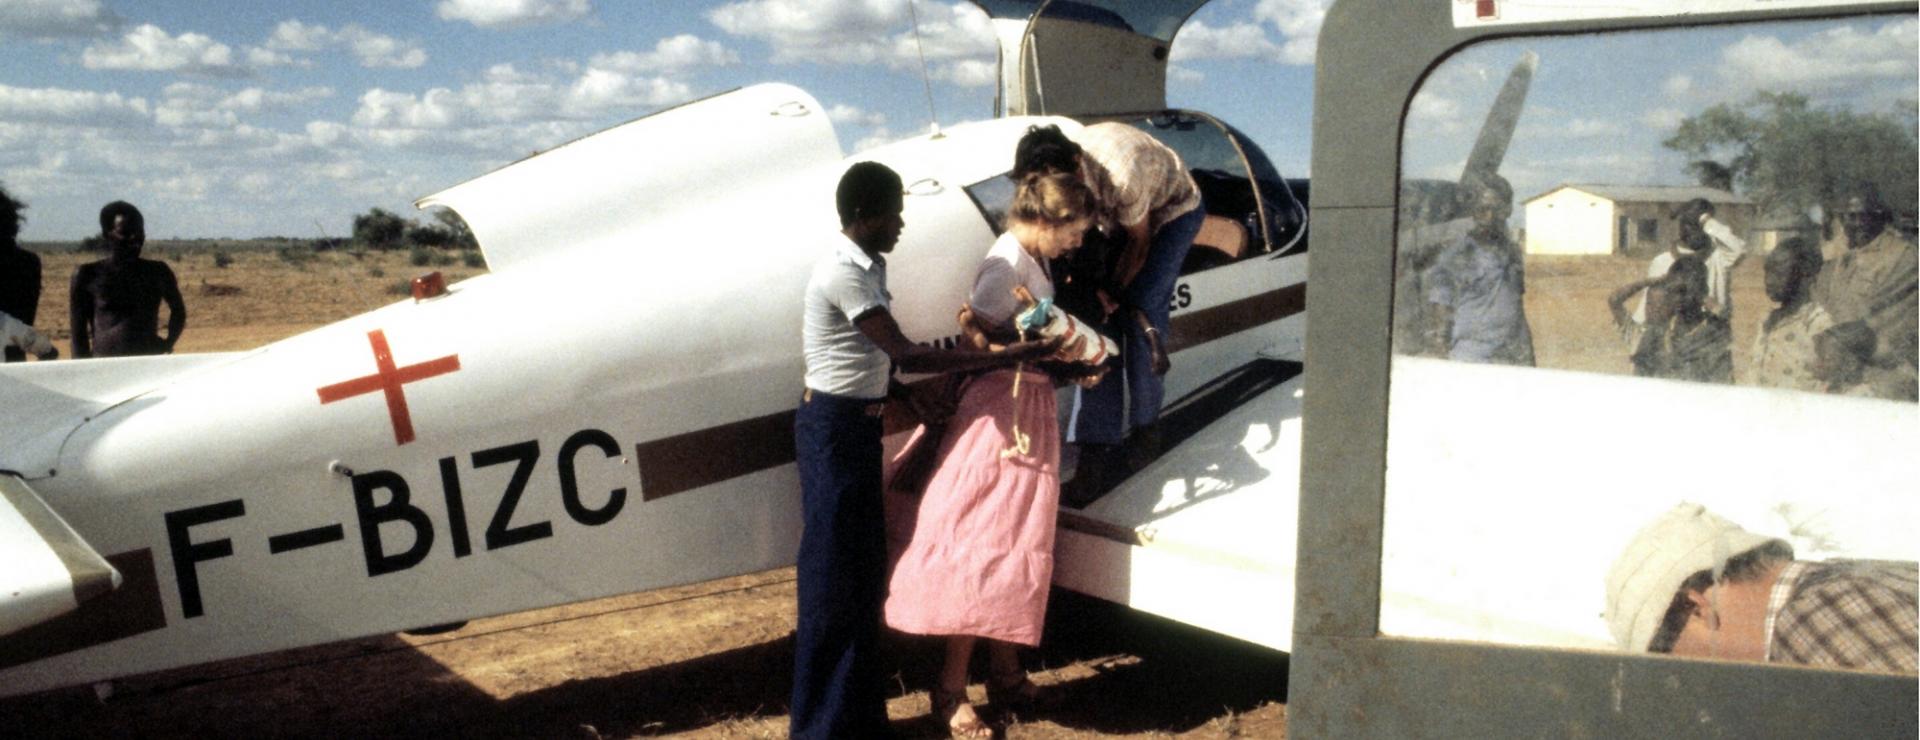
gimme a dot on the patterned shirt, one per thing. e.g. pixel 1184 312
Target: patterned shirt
pixel 1876 282
pixel 1135 175
pixel 1783 356
pixel 1855 614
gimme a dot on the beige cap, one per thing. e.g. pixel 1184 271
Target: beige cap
pixel 1680 543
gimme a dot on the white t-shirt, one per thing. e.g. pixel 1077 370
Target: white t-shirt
pixel 1006 265
pixel 840 360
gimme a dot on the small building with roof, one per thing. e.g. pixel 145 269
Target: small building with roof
pixel 1632 220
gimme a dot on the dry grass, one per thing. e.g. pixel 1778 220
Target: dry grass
pixel 262 295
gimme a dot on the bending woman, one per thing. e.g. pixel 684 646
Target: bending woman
pixel 974 552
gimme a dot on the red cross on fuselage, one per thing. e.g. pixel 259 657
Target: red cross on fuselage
pixel 389 379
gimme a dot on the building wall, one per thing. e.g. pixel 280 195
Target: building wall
pixel 1570 221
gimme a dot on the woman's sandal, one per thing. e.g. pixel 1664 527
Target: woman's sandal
pixel 963 721
pixel 1013 690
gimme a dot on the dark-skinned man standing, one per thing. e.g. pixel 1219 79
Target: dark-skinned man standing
pixel 852 345
pixel 116 301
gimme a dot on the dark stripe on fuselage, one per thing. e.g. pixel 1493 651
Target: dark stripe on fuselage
pixel 681 463
pixel 129 610
pixel 1194 328
pixel 701 458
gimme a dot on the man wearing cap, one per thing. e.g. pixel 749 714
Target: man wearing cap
pixel 1692 583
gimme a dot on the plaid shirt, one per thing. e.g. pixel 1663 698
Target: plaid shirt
pixel 1857 614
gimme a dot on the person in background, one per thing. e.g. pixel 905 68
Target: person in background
pixel 1476 287
pixel 1783 347
pixel 974 552
pixel 852 345
pixel 19 274
pixel 1717 247
pixel 1694 584
pixel 1845 364
pixel 1682 339
pixel 1877 280
pixel 115 302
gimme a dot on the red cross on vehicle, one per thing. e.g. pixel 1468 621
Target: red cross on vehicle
pixel 389 380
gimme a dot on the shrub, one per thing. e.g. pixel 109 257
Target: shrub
pixel 295 255
pixel 419 256
pixel 404 287
pixel 221 259
pixel 473 258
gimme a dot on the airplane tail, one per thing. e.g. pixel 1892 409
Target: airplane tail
pixel 44 402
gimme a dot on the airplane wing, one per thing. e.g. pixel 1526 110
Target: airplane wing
pixel 45 402
pixel 50 569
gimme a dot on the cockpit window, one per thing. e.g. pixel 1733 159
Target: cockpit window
pixel 1654 311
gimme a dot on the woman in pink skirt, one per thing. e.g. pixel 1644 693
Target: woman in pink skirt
pixel 974 552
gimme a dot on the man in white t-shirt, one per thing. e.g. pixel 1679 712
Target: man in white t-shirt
pixel 852 345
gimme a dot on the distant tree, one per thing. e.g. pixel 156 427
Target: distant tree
pixel 462 235
pixel 429 235
pixel 379 229
pixel 93 243
pixel 1788 156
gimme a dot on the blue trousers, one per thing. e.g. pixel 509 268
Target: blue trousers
pixel 842 572
pixel 1131 397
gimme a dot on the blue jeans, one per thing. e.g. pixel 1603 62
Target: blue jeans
pixel 842 571
pixel 1132 396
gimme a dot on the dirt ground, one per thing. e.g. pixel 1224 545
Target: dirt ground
pixel 708 660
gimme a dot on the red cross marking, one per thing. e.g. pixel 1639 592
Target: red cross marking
pixel 388 380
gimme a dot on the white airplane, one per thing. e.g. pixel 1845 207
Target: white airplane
pixel 609 410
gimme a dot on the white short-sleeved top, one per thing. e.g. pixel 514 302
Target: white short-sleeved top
pixel 840 360
pixel 1006 265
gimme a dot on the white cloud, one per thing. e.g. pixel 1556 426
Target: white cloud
pixel 507 96
pixel 1197 40
pixel 372 50
pixel 842 113
pixel 151 48
pixel 1679 85
pixel 1298 22
pixel 377 50
pixel 1590 127
pixel 71 107
pixel 1839 55
pixel 54 19
pixel 861 31
pixel 513 13
pixel 678 52
pixel 969 73
pixel 1663 119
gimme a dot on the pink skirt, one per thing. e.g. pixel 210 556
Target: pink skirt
pixel 973 554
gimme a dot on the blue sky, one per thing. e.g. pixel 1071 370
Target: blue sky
pixel 254 119
pixel 1600 104
pixel 250 119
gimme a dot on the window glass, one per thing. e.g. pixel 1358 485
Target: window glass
pixel 1243 221
pixel 1654 310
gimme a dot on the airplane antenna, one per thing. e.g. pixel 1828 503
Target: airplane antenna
pixel 926 78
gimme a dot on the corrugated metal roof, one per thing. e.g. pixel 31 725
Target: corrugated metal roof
pixel 1650 193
